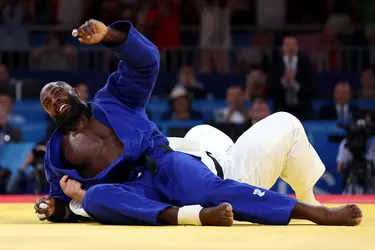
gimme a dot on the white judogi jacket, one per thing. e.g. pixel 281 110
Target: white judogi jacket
pixel 193 147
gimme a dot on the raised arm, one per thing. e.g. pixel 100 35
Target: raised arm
pixel 139 59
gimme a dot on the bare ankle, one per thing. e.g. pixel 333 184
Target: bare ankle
pixel 169 216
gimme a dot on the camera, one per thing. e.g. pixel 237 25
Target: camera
pixel 359 175
pixel 39 173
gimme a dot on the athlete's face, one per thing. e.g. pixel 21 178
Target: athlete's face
pixel 61 102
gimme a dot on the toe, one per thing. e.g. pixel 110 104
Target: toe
pixel 358 220
pixel 228 214
pixel 227 206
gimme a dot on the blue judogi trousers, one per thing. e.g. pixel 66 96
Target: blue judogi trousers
pixel 182 180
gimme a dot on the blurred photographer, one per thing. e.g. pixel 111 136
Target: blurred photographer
pixel 22 181
pixel 356 157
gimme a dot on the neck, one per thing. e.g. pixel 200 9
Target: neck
pixel 81 122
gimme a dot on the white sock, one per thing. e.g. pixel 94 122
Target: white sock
pixel 189 215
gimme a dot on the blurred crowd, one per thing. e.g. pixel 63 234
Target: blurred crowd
pixel 337 32
pixel 280 45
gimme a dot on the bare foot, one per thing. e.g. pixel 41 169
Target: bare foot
pixel 221 215
pixel 349 215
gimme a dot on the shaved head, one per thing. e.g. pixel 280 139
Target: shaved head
pixel 60 84
pixel 62 102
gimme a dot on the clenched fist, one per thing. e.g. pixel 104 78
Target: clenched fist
pixel 72 188
pixel 91 32
pixel 44 207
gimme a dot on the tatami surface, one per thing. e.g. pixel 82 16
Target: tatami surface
pixel 20 229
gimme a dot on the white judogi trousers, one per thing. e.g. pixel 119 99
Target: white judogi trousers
pixel 274 147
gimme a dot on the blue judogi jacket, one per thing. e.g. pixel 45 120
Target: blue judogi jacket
pixel 120 105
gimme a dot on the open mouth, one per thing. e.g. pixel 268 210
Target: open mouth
pixel 62 108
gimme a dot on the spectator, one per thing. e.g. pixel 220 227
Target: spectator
pixel 13 13
pixel 256 84
pixel 190 13
pixel 341 110
pixel 83 91
pixel 258 111
pixel 327 54
pixel 270 13
pixel 13 16
pixel 215 34
pixel 368 84
pixel 292 81
pixel 42 12
pixel 109 10
pixel 340 15
pixel 236 111
pixel 255 55
pixel 163 27
pixel 7 83
pixel 8 133
pixel 188 81
pixel 7 101
pixel 54 55
pixel 298 12
pixel 140 15
pixel 181 109
pixel 70 12
pixel 127 13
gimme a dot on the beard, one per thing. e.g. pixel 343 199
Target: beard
pixel 72 115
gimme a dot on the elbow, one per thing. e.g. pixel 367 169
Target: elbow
pixel 154 56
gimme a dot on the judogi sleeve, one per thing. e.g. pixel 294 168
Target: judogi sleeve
pixel 57 193
pixel 138 67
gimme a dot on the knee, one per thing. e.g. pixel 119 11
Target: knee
pixel 94 197
pixel 291 119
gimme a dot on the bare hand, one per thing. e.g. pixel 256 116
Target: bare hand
pixel 44 207
pixel 92 32
pixel 72 188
